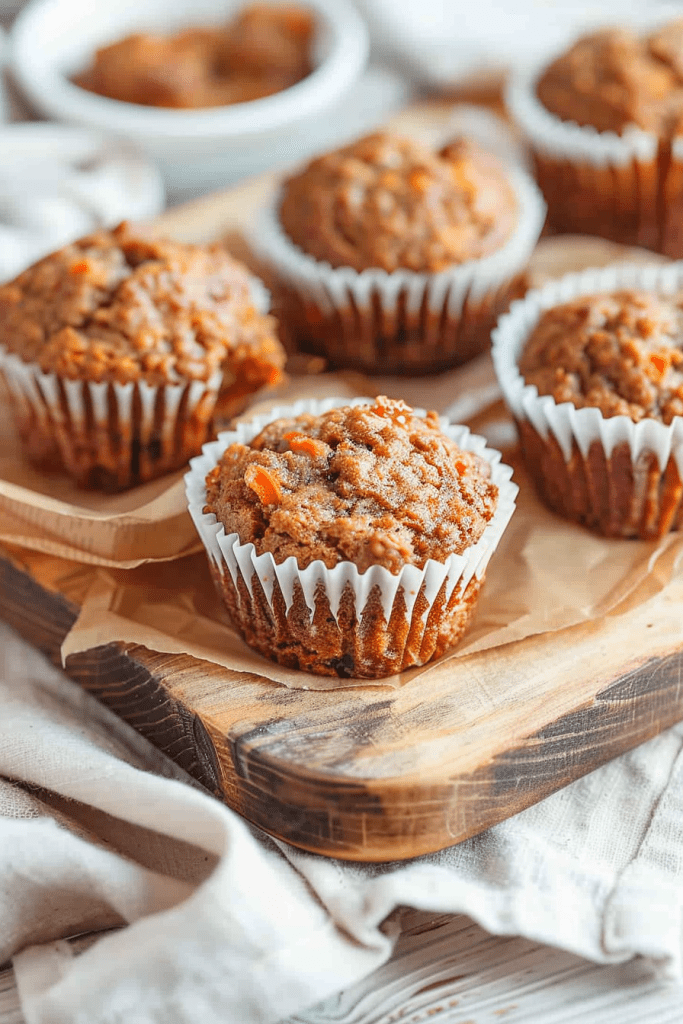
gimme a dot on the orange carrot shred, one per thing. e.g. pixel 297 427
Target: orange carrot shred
pixel 82 267
pixel 264 485
pixel 660 363
pixel 306 445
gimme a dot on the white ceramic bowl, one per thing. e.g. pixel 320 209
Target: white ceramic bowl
pixel 196 149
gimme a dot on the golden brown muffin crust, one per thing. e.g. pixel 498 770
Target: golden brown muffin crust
pixel 620 353
pixel 122 306
pixel 265 49
pixel 390 202
pixel 372 484
pixel 615 78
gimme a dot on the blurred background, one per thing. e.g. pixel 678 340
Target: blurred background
pixel 73 157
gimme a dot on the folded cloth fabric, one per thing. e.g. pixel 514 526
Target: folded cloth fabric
pixel 57 183
pixel 218 922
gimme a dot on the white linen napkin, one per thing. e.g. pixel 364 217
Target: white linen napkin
pixel 218 922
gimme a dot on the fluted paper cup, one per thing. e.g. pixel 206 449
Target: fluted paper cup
pixel 108 436
pixel 628 187
pixel 400 322
pixel 111 436
pixel 340 621
pixel 610 473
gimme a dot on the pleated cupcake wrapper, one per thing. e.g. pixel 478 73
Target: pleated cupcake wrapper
pixel 149 414
pixel 582 427
pixel 446 295
pixel 60 408
pixel 565 140
pixel 240 560
pixel 601 182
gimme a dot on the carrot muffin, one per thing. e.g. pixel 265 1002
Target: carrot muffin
pixel 115 350
pixel 393 257
pixel 265 49
pixel 604 119
pixel 347 577
pixel 597 391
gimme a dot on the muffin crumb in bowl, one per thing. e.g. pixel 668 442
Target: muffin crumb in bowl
pixel 265 48
pixel 116 349
pixel 350 539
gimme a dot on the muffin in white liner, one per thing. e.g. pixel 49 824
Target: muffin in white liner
pixel 627 187
pixel 620 477
pixel 110 435
pixel 107 436
pixel 340 621
pixel 401 321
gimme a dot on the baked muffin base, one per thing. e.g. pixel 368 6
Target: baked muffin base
pixel 610 494
pixel 353 644
pixel 108 437
pixel 404 341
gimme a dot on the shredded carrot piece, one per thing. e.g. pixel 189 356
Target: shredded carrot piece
pixel 264 485
pixel 419 180
pixel 660 363
pixel 306 445
pixel 82 267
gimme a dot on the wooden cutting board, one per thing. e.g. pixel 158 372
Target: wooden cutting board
pixel 376 773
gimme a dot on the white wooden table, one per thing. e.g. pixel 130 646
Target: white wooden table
pixel 447 969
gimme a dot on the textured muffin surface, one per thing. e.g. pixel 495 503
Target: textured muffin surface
pixel 372 484
pixel 123 306
pixel 621 353
pixel 389 202
pixel 264 49
pixel 616 78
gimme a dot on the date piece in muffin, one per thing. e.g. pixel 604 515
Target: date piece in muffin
pixel 361 487
pixel 116 348
pixel 628 83
pixel 394 257
pixel 620 354
pixel 266 48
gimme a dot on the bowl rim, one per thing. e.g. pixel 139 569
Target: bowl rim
pixel 51 92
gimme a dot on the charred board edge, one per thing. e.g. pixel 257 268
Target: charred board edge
pixel 362 819
pixel 352 819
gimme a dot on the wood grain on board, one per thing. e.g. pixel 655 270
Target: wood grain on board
pixel 375 773
pixel 380 774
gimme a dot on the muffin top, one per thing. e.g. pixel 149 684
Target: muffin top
pixel 265 49
pixel 616 78
pixel 371 484
pixel 620 353
pixel 123 306
pixel 389 202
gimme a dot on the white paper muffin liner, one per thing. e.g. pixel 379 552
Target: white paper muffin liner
pixel 601 182
pixel 241 562
pixel 109 435
pixel 372 309
pixel 650 443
